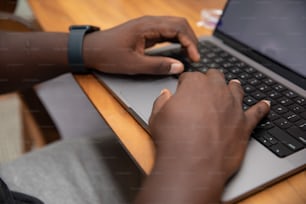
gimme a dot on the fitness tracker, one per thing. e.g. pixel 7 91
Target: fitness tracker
pixel 75 47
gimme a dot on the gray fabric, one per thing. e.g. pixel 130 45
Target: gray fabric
pixel 76 171
pixel 87 166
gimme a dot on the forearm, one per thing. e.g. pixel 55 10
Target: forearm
pixel 180 181
pixel 30 58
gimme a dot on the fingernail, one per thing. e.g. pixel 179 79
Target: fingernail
pixel 267 102
pixel 198 56
pixel 163 91
pixel 236 81
pixel 176 68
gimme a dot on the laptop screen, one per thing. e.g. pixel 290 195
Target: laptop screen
pixel 273 28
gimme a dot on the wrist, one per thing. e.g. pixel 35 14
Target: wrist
pixel 76 47
pixel 190 180
pixel 92 50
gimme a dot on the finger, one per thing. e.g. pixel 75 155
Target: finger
pixel 257 113
pixel 179 28
pixel 237 91
pixel 216 76
pixel 164 96
pixel 189 45
pixel 158 65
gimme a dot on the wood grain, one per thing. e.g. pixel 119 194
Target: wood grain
pixel 136 140
pixel 57 15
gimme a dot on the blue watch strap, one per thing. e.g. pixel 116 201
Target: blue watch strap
pixel 75 47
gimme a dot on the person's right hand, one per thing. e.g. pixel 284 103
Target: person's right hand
pixel 201 132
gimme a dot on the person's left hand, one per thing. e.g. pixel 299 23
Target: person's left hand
pixel 122 48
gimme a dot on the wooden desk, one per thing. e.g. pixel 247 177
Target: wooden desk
pixel 57 15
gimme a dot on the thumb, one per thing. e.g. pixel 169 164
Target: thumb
pixel 161 100
pixel 159 65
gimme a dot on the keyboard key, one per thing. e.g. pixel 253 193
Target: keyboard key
pixel 301 101
pixel 224 54
pixel 254 81
pixel 224 71
pixel 282 123
pixel 210 55
pixel 303 114
pixel 290 94
pixel 213 65
pixel 245 107
pixel 263 88
pixel 271 139
pixel 203 51
pixel 232 59
pixel 285 101
pixel 286 139
pixel 205 60
pixel 235 70
pixel 279 109
pixel 230 76
pixel 259 75
pixel 264 141
pixel 203 69
pixel 240 64
pixel 249 100
pixel 250 70
pixel 259 132
pixel 292 117
pixel 265 124
pixel 197 64
pixel 258 95
pixel 280 150
pixel 298 134
pixel 274 94
pixel 279 87
pixel 244 76
pixel 216 49
pixel 219 60
pixel 296 108
pixel 269 81
pixel 227 65
pixel 272 116
pixel 248 88
pixel 301 124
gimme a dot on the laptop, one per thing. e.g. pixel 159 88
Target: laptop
pixel 263 44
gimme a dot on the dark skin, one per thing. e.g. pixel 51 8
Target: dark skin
pixel 37 57
pixel 184 171
pixel 199 147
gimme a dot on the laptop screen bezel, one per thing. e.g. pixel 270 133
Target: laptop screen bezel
pixel 258 57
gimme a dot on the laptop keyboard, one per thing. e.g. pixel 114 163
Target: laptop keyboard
pixel 283 131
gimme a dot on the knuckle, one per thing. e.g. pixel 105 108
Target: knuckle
pixel 161 68
pixel 259 111
pixel 197 74
pixel 190 76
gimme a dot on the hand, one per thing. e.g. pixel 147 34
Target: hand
pixel 121 49
pixel 201 134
